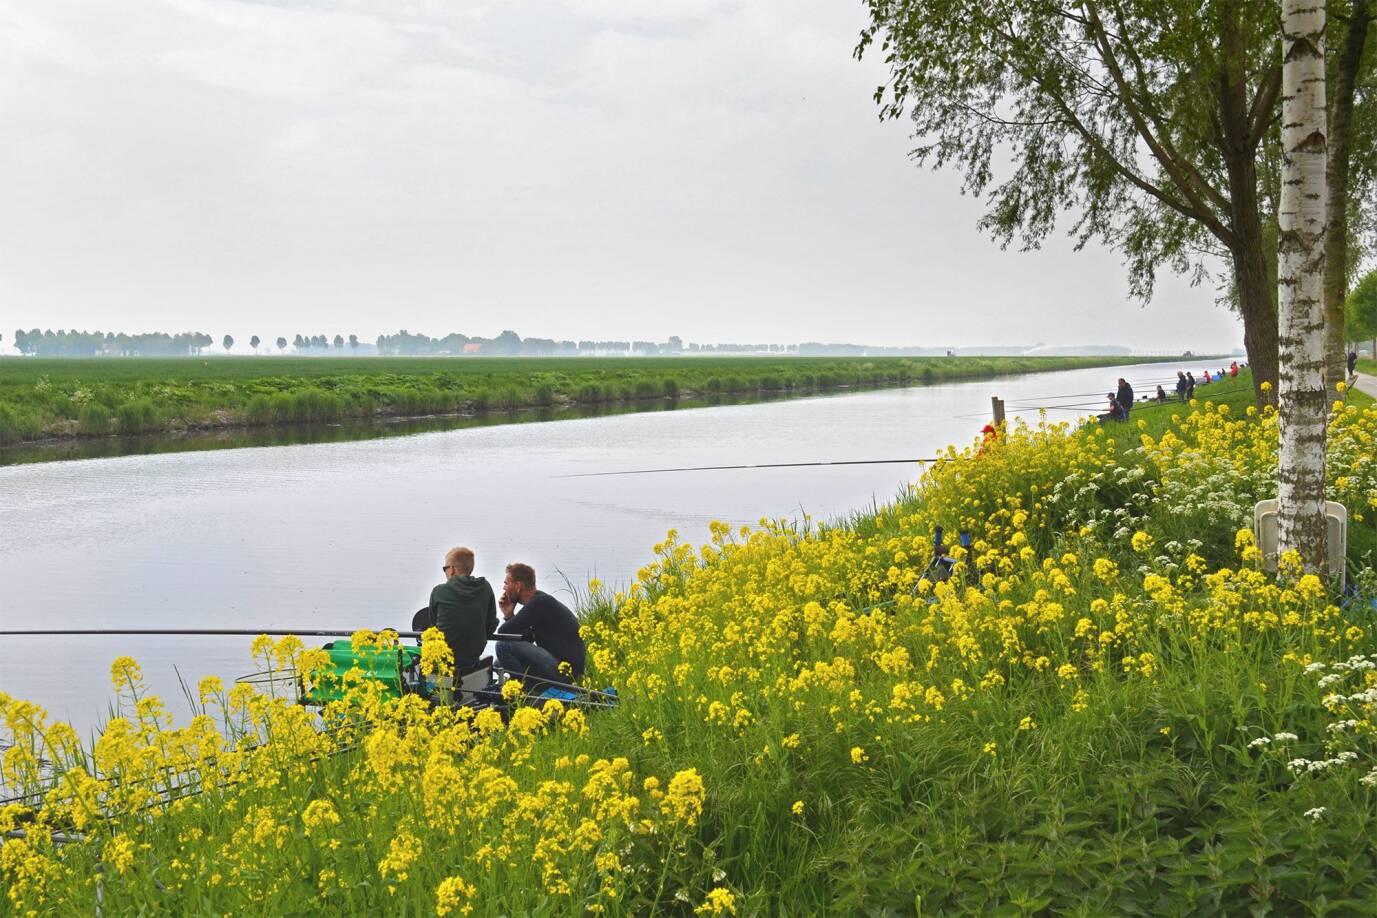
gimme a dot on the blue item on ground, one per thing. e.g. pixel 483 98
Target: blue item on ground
pixel 558 694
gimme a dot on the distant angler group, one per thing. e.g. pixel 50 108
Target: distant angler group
pixel 1121 401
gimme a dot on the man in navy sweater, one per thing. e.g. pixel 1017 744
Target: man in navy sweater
pixel 548 621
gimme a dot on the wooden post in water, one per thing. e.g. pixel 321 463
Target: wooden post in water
pixel 997 409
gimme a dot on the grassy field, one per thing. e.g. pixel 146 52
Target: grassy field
pixel 1107 709
pixel 42 398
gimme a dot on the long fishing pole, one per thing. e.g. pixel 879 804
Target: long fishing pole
pixel 763 465
pixel 798 465
pixel 225 632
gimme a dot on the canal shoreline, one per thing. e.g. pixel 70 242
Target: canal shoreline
pixel 228 428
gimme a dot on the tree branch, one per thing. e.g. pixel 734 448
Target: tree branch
pixel 1260 112
pixel 1202 184
pixel 1096 143
pixel 1005 122
pixel 1170 161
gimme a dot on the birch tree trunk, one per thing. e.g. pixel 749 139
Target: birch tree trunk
pixel 1303 401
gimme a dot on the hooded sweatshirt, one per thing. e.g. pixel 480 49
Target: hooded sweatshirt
pixel 1125 397
pixel 464 608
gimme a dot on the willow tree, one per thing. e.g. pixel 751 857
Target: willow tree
pixel 1301 223
pixel 1142 121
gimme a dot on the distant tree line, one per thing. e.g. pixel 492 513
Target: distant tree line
pixel 49 343
pixel 319 344
pixel 510 344
pixel 507 344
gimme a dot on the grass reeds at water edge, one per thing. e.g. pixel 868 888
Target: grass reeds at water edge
pixel 46 398
pixel 1107 709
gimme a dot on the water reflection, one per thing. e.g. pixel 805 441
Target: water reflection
pixel 358 429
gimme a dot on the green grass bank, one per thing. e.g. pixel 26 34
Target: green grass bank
pixel 64 398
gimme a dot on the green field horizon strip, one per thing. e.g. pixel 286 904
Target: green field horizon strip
pixel 47 398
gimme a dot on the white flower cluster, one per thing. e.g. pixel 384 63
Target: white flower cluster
pixel 1356 663
pixel 1366 698
pixel 1212 484
pixel 1311 766
pixel 1344 731
pixel 1340 671
pixel 1081 497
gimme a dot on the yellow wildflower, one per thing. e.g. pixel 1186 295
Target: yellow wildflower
pixel 403 851
pixel 684 799
pixel 454 896
pixel 719 902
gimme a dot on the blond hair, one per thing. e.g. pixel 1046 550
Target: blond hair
pixel 461 559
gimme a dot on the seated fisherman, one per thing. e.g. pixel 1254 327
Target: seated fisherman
pixel 1115 412
pixel 463 608
pixel 548 621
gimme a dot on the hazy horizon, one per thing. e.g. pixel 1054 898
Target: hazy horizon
pixel 267 346
pixel 584 169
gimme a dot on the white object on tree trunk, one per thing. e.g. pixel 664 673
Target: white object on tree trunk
pixel 1336 536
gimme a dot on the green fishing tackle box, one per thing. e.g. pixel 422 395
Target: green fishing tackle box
pixel 396 670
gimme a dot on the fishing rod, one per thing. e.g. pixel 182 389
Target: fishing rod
pixel 1225 387
pixel 1141 385
pixel 763 465
pixel 797 465
pixel 1137 381
pixel 226 632
pixel 1083 409
pixel 1040 399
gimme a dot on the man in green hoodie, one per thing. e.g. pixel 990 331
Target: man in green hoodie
pixel 463 608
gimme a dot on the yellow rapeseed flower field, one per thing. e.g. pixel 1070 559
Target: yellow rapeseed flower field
pixel 1107 707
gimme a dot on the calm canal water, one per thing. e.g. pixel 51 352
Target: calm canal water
pixel 345 535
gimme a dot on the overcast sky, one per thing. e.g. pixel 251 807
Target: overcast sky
pixel 573 169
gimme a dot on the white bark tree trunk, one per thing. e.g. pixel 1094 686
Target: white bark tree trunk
pixel 1303 401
